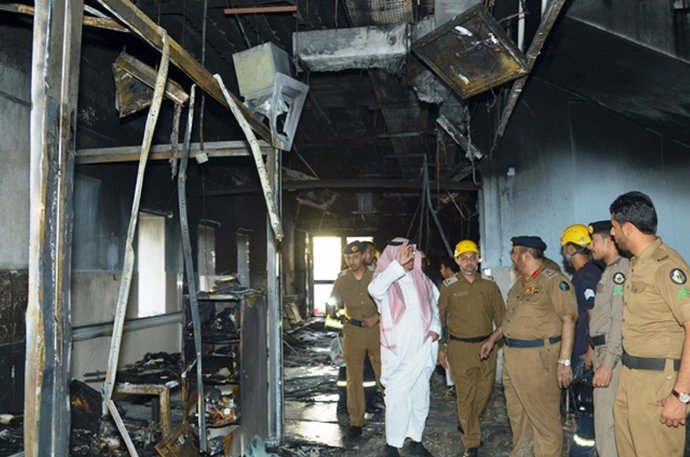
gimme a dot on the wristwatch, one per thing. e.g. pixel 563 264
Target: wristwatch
pixel 683 397
pixel 564 362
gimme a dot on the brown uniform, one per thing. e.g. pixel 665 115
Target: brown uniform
pixel 605 332
pixel 468 311
pixel 656 304
pixel 358 341
pixel 536 309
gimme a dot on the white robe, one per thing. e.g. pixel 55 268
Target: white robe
pixel 407 368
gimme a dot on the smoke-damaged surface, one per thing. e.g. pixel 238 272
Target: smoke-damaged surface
pixel 312 427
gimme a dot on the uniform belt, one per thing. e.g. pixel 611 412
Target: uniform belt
pixel 474 339
pixel 513 343
pixel 647 363
pixel 356 323
pixel 598 340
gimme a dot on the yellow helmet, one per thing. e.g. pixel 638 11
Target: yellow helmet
pixel 465 246
pixel 577 234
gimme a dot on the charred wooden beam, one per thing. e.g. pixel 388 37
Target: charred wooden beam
pixel 90 21
pixel 54 85
pixel 143 26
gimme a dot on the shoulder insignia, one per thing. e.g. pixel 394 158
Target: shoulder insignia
pixel 564 286
pixel 662 258
pixel 684 292
pixel 343 273
pixel 618 278
pixel 449 281
pixel 678 276
pixel 589 293
pixel 371 268
pixel 549 273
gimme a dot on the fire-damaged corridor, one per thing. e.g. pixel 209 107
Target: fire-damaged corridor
pixel 181 177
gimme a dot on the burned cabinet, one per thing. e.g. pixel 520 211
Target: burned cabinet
pixel 231 322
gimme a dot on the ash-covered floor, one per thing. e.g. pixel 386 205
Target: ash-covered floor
pixel 311 401
pixel 311 397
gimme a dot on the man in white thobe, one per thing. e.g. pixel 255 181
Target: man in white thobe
pixel 410 326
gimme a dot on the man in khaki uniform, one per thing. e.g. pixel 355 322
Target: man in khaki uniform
pixel 605 333
pixel 539 329
pixel 469 305
pixel 654 388
pixel 360 331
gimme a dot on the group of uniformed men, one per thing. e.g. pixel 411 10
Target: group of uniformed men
pixel 623 331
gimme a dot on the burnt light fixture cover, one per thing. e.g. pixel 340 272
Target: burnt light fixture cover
pixel 471 53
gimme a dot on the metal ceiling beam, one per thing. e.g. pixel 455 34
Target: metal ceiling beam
pixel 407 184
pixel 143 26
pixel 261 10
pixel 163 152
pixel 533 52
pixel 57 37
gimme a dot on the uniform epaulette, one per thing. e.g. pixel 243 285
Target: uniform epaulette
pixel 549 273
pixel 343 273
pixel 662 258
pixel 448 281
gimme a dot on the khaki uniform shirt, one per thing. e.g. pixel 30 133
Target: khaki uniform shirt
pixel 607 314
pixel 536 307
pixel 656 303
pixel 469 309
pixel 352 294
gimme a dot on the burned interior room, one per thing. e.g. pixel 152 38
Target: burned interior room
pixel 185 182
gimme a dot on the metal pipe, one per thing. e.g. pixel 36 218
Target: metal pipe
pixel 432 211
pixel 532 54
pixel 189 268
pixel 128 266
pixel 89 332
pixel 269 194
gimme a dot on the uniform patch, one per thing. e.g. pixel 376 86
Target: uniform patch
pixel 550 273
pixel 618 278
pixel 618 290
pixel 678 276
pixel 684 292
pixel 564 286
pixel 589 293
pixel 449 281
pixel 531 290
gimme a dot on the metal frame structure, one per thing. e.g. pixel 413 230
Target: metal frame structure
pixel 54 88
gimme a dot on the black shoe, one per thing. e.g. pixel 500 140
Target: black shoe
pixel 417 449
pixel 390 451
pixel 353 432
pixel 471 452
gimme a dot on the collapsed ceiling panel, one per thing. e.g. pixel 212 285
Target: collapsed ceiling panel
pixel 471 53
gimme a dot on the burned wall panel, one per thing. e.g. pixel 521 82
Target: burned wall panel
pixel 14 288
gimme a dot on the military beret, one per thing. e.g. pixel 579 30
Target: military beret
pixel 353 247
pixel 599 227
pixel 529 242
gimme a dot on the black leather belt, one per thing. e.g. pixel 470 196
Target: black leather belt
pixel 647 363
pixel 598 340
pixel 474 339
pixel 513 343
pixel 356 323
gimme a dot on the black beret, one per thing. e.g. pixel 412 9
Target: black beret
pixel 600 227
pixel 529 242
pixel 353 247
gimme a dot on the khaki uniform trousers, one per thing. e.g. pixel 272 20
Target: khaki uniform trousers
pixel 533 400
pixel 638 430
pixel 474 380
pixel 357 343
pixel 604 429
